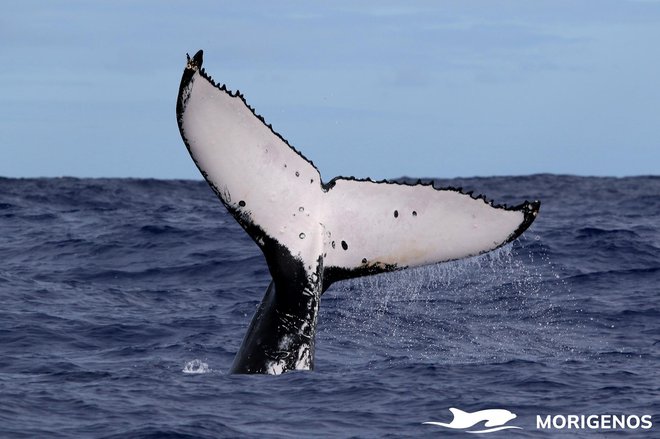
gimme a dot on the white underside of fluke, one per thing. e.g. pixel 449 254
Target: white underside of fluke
pixel 410 225
pixel 353 224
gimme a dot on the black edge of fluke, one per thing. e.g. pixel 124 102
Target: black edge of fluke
pixel 192 65
pixel 196 62
pixel 530 210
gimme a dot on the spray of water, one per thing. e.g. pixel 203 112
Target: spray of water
pixel 506 305
pixel 196 367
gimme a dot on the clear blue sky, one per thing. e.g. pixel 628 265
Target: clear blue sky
pixel 371 88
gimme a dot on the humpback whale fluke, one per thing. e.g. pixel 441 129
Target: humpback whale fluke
pixel 313 233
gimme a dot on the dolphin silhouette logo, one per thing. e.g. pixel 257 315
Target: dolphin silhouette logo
pixel 494 420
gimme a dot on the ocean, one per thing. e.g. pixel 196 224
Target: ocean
pixel 123 302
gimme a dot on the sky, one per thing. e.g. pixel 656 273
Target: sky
pixel 364 88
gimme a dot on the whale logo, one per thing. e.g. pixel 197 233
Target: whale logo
pixel 494 420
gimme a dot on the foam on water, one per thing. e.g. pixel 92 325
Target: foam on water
pixel 196 367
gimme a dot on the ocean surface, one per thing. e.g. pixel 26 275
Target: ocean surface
pixel 123 302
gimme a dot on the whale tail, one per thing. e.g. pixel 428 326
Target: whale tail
pixel 314 233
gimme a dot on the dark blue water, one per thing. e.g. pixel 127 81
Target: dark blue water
pixel 109 289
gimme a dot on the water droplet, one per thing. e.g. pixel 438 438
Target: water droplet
pixel 196 366
pixel 301 236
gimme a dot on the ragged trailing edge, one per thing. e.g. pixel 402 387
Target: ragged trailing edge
pixel 195 64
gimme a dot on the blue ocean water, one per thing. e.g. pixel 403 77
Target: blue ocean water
pixel 123 302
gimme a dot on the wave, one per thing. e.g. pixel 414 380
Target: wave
pixel 111 289
pixel 196 367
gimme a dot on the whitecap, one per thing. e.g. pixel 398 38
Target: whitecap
pixel 196 366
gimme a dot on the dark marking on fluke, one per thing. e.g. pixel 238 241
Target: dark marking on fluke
pixel 281 335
